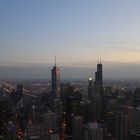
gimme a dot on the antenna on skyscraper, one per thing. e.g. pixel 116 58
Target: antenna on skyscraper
pixel 55 60
pixel 98 60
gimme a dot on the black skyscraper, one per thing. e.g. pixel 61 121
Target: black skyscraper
pixel 98 93
pixel 55 81
pixel 98 85
pixel 19 92
pixel 72 106
pixel 90 88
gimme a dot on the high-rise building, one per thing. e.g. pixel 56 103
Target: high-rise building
pixel 19 88
pixel 50 120
pixel 134 122
pixel 56 106
pixel 51 135
pixel 98 84
pixel 97 107
pixel 55 81
pixel 122 127
pixel 19 92
pixel 135 135
pixel 90 88
pixel 98 91
pixel 89 112
pixel 92 131
pixel 77 125
pixel 136 98
pixel 72 107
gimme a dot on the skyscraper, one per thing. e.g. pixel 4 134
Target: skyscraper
pixel 19 92
pixel 72 106
pixel 55 79
pixel 136 97
pixel 98 92
pixel 92 131
pixel 77 125
pixel 90 88
pixel 122 127
pixel 98 84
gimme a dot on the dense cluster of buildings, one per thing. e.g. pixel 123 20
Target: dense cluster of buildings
pixel 64 113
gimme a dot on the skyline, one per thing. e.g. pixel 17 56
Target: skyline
pixel 78 32
pixel 111 71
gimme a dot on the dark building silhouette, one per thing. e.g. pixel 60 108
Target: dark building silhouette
pixel 135 136
pixel 90 88
pixel 19 90
pixel 72 109
pixel 136 98
pixel 92 131
pixel 89 115
pixel 98 99
pixel 55 81
pixel 17 93
pixel 5 114
pixel 77 125
pixel 98 84
pixel 122 127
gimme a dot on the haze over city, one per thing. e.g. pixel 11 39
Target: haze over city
pixel 76 31
pixel 69 70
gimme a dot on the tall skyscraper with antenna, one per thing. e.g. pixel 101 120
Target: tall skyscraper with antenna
pixel 98 92
pixel 55 81
pixel 98 85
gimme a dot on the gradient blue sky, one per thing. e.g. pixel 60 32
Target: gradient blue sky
pixel 77 31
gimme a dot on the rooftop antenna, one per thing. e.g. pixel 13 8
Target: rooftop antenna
pixel 98 60
pixel 55 60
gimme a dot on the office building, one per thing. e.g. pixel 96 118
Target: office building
pixel 77 125
pixel 50 120
pixel 72 109
pixel 98 92
pixel 98 84
pixel 18 93
pixel 55 80
pixel 90 88
pixel 92 131
pixel 122 127
pixel 136 97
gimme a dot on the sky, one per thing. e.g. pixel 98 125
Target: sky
pixel 78 32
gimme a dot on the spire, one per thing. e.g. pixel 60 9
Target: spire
pixel 98 61
pixel 55 60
